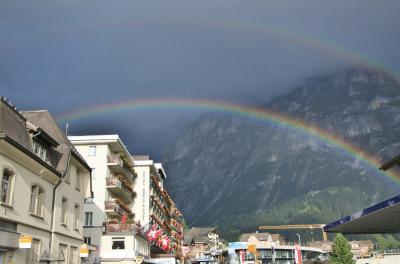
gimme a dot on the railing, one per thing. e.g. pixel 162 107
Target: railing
pixel 115 158
pixel 124 191
pixel 122 228
pixel 119 167
pixel 114 207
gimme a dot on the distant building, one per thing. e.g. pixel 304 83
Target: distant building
pixel 44 182
pixel 361 248
pixel 262 239
pixel 325 246
pixel 202 243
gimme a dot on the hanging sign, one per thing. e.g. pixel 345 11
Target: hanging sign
pixel 25 242
pixel 84 251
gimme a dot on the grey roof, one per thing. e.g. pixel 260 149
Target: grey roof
pixel 13 124
pixel 44 120
pixel 260 237
pixel 20 127
pixel 198 234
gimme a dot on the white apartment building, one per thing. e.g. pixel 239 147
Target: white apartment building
pixel 44 182
pixel 114 183
pixel 154 205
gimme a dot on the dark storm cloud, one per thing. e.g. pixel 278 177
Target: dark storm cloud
pixel 63 55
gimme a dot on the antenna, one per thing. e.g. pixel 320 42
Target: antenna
pixel 66 129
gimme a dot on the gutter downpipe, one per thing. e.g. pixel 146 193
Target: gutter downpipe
pixel 53 204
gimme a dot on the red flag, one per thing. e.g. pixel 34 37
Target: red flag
pixel 124 218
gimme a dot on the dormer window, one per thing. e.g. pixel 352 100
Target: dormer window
pixel 40 150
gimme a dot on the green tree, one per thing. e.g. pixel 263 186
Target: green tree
pixel 341 253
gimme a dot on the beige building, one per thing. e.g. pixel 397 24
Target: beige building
pixel 262 239
pixel 44 182
pixel 202 243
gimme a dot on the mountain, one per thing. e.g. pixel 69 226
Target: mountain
pixel 237 173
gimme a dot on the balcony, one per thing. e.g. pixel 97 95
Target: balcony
pixel 131 228
pixel 116 165
pixel 119 189
pixel 117 208
pixel 113 209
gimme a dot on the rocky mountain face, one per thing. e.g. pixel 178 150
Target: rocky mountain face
pixel 238 173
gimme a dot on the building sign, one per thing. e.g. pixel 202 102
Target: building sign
pixel 238 245
pixel 84 251
pixel 25 242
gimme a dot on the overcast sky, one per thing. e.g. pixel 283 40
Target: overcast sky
pixel 67 55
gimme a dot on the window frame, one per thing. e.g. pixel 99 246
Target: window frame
pixel 30 253
pixel 64 211
pixel 37 200
pixel 88 218
pixel 9 198
pixel 77 211
pixel 92 151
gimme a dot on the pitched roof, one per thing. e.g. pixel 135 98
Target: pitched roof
pixel 19 128
pixel 198 234
pixel 46 122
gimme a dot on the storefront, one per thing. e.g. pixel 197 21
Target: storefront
pixel 9 240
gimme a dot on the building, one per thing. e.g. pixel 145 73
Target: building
pixel 262 239
pixel 203 243
pixel 155 206
pixel 44 182
pixel 239 252
pixel 110 221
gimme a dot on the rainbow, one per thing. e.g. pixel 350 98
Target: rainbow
pixel 243 110
pixel 335 50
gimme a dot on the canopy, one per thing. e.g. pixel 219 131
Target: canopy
pixel 383 217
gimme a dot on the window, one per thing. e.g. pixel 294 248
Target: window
pixel 64 208
pixel 76 216
pixel 40 150
pixel 73 255
pixel 33 254
pixel 93 174
pixel 37 200
pixel 88 218
pixel 7 186
pixel 118 243
pixel 62 253
pixel 87 240
pixel 78 180
pixel 92 151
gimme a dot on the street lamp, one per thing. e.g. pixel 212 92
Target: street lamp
pixel 298 235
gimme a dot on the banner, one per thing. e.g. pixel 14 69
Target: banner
pixel 297 256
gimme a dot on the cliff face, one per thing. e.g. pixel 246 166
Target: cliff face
pixel 238 173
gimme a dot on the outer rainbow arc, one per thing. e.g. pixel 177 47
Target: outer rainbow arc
pixel 249 111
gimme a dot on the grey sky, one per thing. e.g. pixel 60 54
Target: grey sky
pixel 65 55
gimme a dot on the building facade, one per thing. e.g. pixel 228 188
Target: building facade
pixel 155 206
pixel 110 213
pixel 44 182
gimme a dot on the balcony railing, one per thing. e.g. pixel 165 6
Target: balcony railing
pixel 121 228
pixel 119 189
pixel 112 208
pixel 116 207
pixel 116 165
